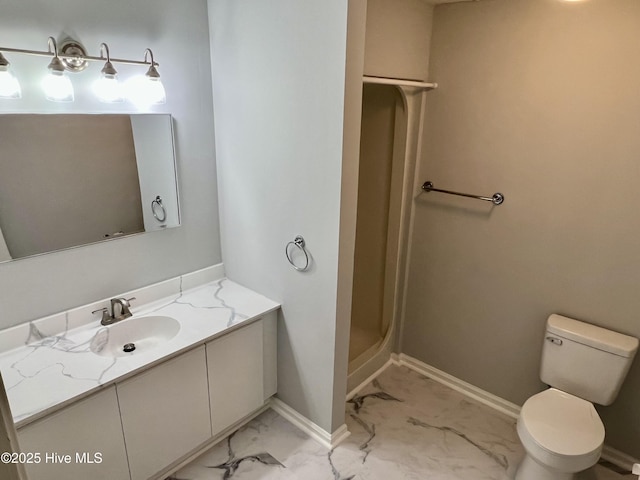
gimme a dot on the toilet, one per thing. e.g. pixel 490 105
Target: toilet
pixel 559 428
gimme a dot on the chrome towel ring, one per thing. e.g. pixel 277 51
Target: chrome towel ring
pixel 156 207
pixel 300 244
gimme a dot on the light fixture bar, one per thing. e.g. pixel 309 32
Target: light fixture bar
pixel 89 58
pixel 72 57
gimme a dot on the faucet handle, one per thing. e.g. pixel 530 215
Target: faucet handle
pixel 106 317
pixel 127 305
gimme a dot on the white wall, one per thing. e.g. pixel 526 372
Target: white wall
pixel 279 83
pixel 178 34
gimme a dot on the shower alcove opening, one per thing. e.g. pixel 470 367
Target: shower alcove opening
pixel 389 143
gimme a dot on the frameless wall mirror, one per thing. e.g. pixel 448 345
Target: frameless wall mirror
pixel 71 180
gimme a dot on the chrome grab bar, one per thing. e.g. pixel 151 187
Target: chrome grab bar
pixel 496 199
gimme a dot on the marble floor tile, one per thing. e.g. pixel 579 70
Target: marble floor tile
pixel 403 426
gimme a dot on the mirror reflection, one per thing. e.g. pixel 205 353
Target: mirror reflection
pixel 70 180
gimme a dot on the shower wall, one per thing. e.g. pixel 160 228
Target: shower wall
pixel 368 321
pixel 537 99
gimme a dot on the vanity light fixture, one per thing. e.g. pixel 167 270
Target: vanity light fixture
pixel 108 88
pixel 73 58
pixel 9 85
pixel 158 94
pixel 147 89
pixel 56 85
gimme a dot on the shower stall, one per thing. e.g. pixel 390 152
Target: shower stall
pixel 396 37
pixel 389 145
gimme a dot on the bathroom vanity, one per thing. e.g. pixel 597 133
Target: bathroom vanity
pixel 86 412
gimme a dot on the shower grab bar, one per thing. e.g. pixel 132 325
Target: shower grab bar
pixel 496 199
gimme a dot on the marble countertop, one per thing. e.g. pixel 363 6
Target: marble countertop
pixel 52 371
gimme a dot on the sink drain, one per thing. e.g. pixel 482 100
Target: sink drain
pixel 129 347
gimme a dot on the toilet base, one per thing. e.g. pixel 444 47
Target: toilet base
pixel 529 469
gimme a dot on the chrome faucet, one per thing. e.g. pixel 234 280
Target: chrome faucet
pixel 116 314
pixel 124 308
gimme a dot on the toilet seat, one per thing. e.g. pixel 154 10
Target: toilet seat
pixel 561 430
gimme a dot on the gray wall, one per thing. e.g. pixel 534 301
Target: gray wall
pixel 397 42
pixel 177 32
pixel 539 100
pixel 279 80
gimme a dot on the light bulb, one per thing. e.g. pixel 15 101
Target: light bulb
pixel 9 85
pixel 108 89
pixel 56 85
pixel 155 90
pixel 145 91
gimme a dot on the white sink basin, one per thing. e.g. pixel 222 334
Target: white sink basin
pixel 139 335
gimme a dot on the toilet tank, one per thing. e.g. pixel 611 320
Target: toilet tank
pixel 584 360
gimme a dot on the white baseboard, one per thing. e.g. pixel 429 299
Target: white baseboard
pixel 609 454
pixel 461 386
pixel 320 435
pixel 618 458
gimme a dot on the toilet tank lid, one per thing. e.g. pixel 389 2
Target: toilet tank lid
pixel 592 336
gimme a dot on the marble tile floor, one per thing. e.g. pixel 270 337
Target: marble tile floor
pixel 403 426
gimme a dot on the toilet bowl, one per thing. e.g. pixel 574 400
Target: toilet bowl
pixel 559 428
pixel 562 435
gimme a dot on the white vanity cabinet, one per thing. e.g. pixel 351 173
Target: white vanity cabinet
pixel 142 426
pixel 242 372
pixel 234 363
pixel 165 413
pixel 82 441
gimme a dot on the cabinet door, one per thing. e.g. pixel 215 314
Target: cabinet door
pixel 270 354
pixel 8 439
pixel 235 375
pixel 89 431
pixel 165 413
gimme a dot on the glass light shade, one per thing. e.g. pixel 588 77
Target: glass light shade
pixel 9 85
pixel 57 87
pixel 108 89
pixel 145 91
